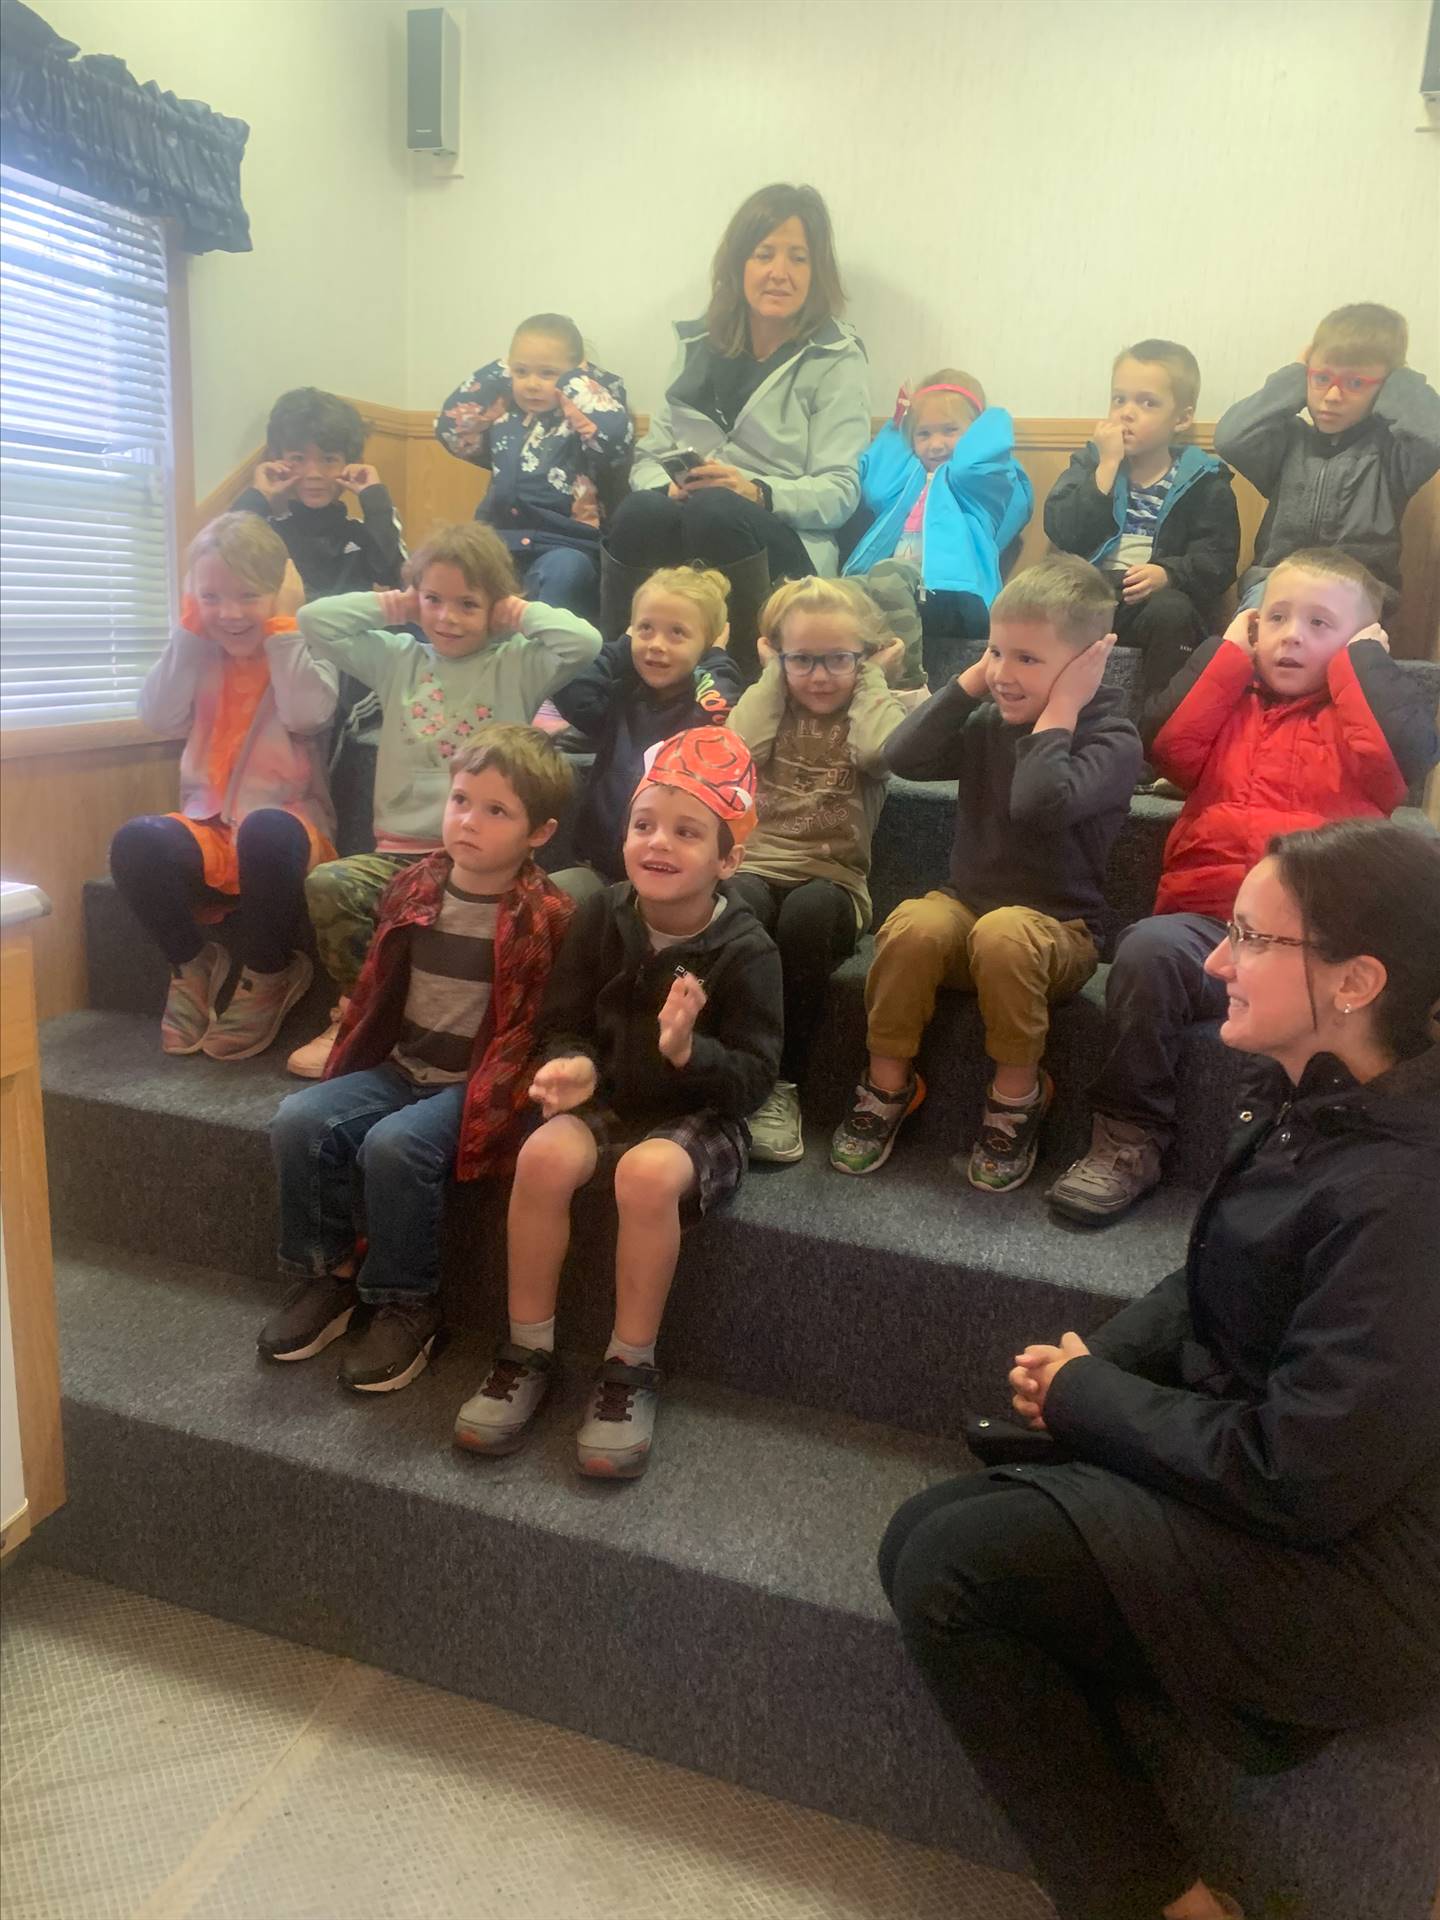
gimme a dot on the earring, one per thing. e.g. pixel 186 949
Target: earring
pixel 1345 1009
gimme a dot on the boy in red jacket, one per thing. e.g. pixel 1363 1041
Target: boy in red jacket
pixel 1297 716
pixel 430 1073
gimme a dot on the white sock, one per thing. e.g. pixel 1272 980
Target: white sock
pixel 1008 1100
pixel 632 1356
pixel 538 1335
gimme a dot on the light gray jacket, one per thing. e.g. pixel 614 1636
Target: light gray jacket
pixel 802 432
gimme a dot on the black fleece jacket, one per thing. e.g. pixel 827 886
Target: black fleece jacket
pixel 332 552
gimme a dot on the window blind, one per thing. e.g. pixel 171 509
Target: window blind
pixel 87 559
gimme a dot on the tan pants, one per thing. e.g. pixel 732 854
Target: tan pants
pixel 1016 960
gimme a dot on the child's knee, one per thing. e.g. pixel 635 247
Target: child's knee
pixel 325 888
pixel 557 1158
pixel 653 1177
pixel 1008 937
pixel 272 833
pixel 299 1118
pixel 917 926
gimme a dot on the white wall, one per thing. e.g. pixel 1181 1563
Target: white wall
pixel 320 300
pixel 1017 186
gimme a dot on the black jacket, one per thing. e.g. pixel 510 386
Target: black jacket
pixel 605 996
pixel 1197 541
pixel 1261 1432
pixel 332 552
pixel 612 706
pixel 1035 813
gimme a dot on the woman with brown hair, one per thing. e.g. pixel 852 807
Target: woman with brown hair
pixel 750 463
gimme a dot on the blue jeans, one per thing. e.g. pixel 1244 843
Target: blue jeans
pixel 561 577
pixel 371 1148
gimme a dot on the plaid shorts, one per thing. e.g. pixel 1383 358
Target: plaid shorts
pixel 719 1151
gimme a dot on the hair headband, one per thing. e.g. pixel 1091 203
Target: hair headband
pixel 904 400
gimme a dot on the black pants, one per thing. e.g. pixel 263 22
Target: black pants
pixel 158 867
pixel 1157 987
pixel 716 526
pixel 814 927
pixel 1007 1615
pixel 1167 628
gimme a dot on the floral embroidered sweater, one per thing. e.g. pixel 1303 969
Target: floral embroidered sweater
pixel 431 706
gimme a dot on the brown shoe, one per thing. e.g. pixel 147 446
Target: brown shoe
pixel 391 1347
pixel 1123 1163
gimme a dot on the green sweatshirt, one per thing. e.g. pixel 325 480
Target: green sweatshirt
pixel 822 782
pixel 432 705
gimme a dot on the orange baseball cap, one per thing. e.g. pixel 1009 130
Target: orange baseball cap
pixel 713 766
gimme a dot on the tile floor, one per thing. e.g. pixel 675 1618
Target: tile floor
pixel 157 1764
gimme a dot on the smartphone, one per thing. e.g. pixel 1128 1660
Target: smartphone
pixel 679 461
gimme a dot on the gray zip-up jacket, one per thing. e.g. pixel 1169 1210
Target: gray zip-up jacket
pixel 1346 489
pixel 802 432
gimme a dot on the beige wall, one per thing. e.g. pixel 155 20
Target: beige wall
pixel 319 301
pixel 1017 188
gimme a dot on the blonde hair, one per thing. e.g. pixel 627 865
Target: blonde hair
pixel 1064 592
pixel 249 547
pixel 1362 332
pixel 706 590
pixel 478 552
pixel 1179 363
pixel 945 377
pixel 728 318
pixel 1329 563
pixel 812 595
pixel 542 777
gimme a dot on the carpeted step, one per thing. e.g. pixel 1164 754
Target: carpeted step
pixel 723 1614
pixel 900 1298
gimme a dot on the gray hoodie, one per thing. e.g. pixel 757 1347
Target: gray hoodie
pixel 802 432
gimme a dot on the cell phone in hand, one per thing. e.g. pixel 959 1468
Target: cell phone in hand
pixel 679 461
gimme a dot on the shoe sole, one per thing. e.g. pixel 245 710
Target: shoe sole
pixel 611 1466
pixel 1091 1216
pixel 295 993
pixel 477 1440
pixel 396 1381
pixel 327 1335
pixel 859 1173
pixel 777 1156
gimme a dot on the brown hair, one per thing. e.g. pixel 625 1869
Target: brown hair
pixel 542 777
pixel 249 547
pixel 1329 563
pixel 728 318
pixel 1179 363
pixel 1063 591
pixel 479 553
pixel 1362 332
pixel 706 590
pixel 945 377
pixel 555 326
pixel 812 595
pixel 307 414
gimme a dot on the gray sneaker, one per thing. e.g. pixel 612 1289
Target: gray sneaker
pixel 497 1416
pixel 1123 1163
pixel 311 1315
pixel 614 1443
pixel 775 1127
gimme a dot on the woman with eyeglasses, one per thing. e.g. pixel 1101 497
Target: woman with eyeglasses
pixel 751 461
pixel 1241 1509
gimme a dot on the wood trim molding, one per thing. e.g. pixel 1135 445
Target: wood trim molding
pixel 80 736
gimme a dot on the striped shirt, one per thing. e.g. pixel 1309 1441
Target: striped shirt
pixel 447 1005
pixel 1136 545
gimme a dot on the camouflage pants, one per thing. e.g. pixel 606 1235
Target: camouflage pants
pixel 342 896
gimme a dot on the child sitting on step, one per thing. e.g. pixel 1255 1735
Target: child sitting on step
pixel 816 722
pixel 255 811
pixel 947 497
pixel 487 654
pixel 1296 716
pixel 1045 762
pixel 659 1033
pixel 431 1071
pixel 668 671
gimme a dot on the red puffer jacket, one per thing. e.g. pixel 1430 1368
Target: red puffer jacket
pixel 1255 764
pixel 532 921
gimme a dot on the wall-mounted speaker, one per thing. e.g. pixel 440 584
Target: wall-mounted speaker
pixel 432 81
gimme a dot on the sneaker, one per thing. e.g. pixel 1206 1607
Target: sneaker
pixel 1123 1163
pixel 311 1060
pixel 257 1007
pixel 614 1443
pixel 190 1003
pixel 391 1347
pixel 1004 1155
pixel 311 1315
pixel 775 1128
pixel 497 1416
pixel 865 1136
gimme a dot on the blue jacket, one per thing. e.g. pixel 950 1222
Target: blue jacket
pixel 546 477
pixel 1197 535
pixel 978 502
